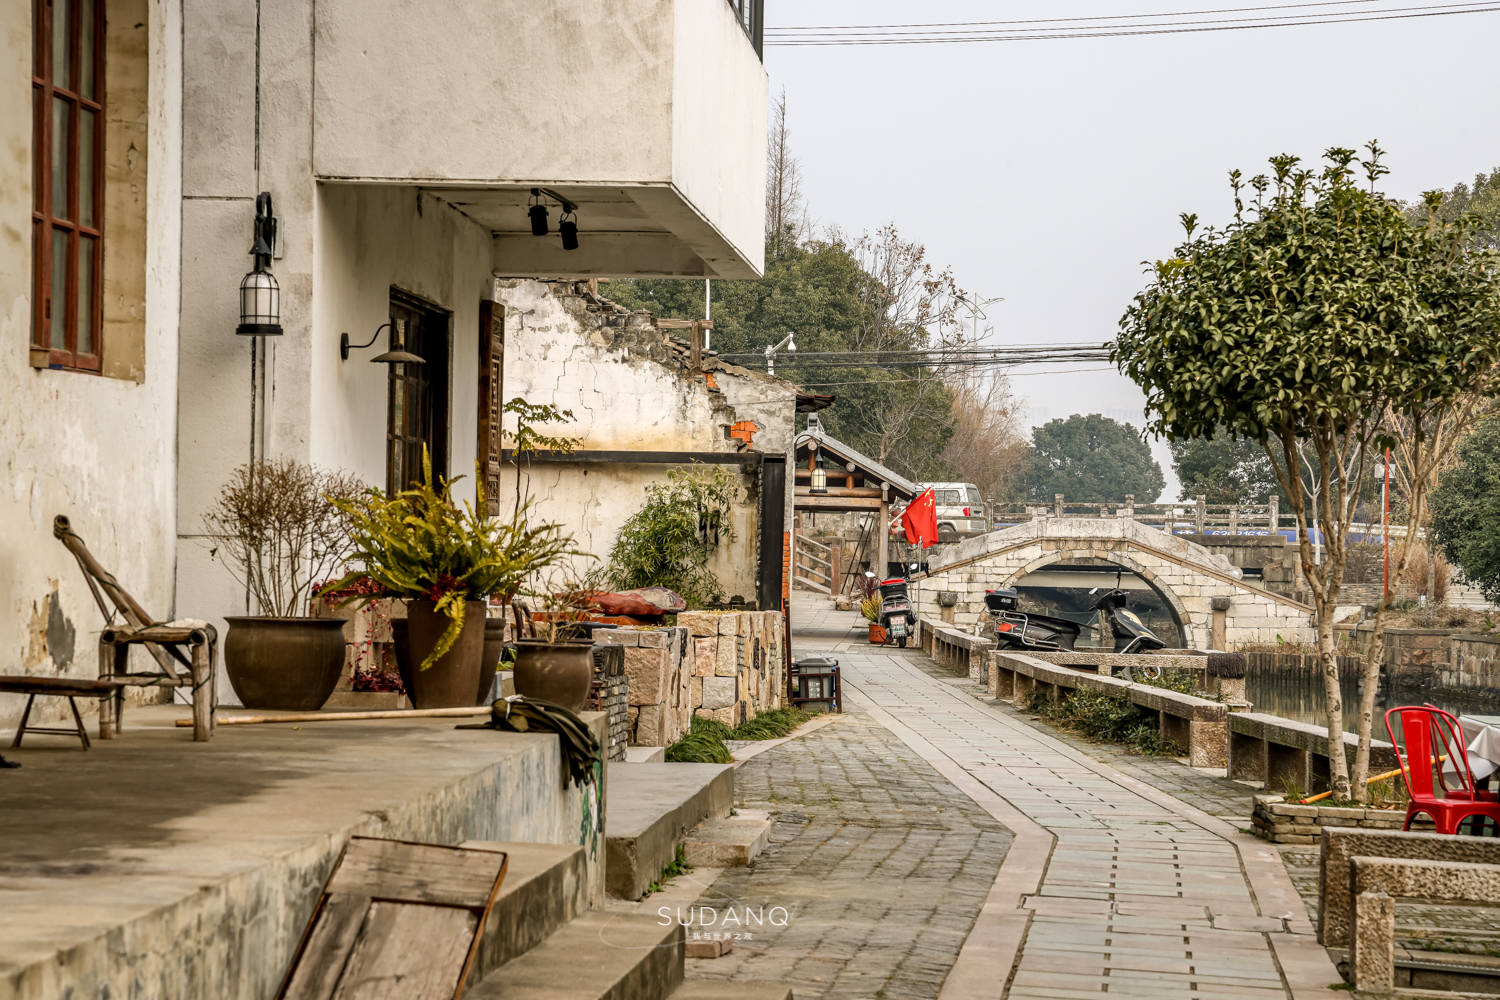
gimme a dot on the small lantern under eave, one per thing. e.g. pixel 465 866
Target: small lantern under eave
pixel 260 296
pixel 819 480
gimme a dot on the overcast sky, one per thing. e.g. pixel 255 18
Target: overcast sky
pixel 1046 171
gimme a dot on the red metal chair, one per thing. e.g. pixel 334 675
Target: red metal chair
pixel 1422 733
pixel 1451 732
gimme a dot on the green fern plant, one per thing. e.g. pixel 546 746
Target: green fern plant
pixel 421 544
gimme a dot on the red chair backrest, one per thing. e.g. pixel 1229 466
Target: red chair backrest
pixel 1417 749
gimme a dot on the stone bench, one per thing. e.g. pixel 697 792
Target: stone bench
pixel 1340 845
pixel 1192 722
pixel 1376 884
pixel 1274 751
pixel 962 652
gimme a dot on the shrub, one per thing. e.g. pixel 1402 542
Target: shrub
pixel 669 541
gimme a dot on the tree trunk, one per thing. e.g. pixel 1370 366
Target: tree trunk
pixel 1338 767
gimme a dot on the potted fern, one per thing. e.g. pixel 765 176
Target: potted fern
pixel 445 559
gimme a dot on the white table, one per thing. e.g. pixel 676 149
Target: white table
pixel 1482 740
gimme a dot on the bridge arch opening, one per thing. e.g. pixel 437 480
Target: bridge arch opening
pixel 1052 584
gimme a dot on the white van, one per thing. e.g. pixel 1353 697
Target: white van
pixel 960 510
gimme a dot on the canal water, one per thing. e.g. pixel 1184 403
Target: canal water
pixel 1291 687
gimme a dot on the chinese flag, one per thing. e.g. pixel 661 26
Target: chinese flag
pixel 920 520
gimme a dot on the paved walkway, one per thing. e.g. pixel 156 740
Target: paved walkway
pixel 1111 887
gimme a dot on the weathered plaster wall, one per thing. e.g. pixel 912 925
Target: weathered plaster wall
pixel 628 390
pixel 97 448
pixel 1187 576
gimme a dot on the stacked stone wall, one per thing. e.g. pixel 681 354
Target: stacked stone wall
pixel 728 666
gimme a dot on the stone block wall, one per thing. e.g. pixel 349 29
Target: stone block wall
pixel 728 666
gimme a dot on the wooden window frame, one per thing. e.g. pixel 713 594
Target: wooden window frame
pixel 45 221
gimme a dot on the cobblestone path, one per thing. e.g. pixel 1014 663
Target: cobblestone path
pixel 1120 889
pixel 881 864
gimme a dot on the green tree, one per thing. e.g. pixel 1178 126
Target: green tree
pixel 1482 201
pixel 1090 458
pixel 1224 469
pixel 1326 323
pixel 1466 509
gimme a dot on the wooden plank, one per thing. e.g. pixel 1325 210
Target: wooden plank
pixel 334 931
pixel 816 585
pixel 835 503
pixel 408 951
pixel 426 873
pixel 839 491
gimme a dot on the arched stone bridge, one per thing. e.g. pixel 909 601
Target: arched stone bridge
pixel 1191 579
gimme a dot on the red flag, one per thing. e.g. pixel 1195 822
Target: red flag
pixel 920 520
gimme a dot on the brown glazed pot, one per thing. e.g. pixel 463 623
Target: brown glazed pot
pixel 557 672
pixel 494 649
pixel 453 680
pixel 284 663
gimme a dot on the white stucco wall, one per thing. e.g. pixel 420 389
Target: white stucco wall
pixel 629 393
pixel 101 450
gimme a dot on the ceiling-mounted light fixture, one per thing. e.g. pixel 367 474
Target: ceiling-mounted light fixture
pixel 397 355
pixel 260 296
pixel 567 226
pixel 538 213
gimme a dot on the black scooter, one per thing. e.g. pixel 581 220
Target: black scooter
pixel 1015 629
pixel 897 616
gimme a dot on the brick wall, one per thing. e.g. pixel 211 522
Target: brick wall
pixel 610 693
pixel 728 666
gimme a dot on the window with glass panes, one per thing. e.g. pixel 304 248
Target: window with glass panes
pixel 67 214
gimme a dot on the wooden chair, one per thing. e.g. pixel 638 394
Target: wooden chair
pixel 183 650
pixel 71 688
pixel 405 916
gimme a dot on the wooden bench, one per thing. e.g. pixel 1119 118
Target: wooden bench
pixel 70 688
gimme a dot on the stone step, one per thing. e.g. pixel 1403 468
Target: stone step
pixel 597 956
pixel 724 989
pixel 545 886
pixel 732 841
pixel 646 755
pixel 648 812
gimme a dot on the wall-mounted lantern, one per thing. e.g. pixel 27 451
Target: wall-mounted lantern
pixel 397 355
pixel 260 296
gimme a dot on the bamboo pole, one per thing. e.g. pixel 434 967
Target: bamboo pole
pixel 401 713
pixel 1369 781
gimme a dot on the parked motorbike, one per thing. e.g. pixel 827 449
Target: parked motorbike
pixel 897 616
pixel 1016 629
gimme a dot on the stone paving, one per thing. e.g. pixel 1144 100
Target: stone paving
pixel 1133 894
pixel 880 863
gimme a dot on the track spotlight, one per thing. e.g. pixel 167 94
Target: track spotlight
pixel 568 227
pixel 538 212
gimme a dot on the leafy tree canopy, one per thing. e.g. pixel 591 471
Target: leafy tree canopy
pixel 1481 202
pixel 1466 509
pixel 1224 469
pixel 1091 458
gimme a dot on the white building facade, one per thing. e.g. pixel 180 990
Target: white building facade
pixel 400 143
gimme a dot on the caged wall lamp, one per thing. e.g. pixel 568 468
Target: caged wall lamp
pixel 260 296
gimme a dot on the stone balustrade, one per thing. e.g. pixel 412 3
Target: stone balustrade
pixel 1277 751
pixel 1198 724
pixel 957 650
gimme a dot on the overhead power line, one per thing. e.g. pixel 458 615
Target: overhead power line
pixel 1064 20
pixel 1108 27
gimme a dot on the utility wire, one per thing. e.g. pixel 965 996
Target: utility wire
pixel 1059 20
pixel 1114 31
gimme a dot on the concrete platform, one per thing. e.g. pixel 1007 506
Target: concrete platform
pixel 154 866
pixel 646 755
pixel 648 812
pixel 599 956
pixel 546 885
pixel 734 840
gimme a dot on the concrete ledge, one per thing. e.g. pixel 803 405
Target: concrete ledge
pixel 1273 750
pixel 1198 724
pixel 158 867
pixel 962 652
pixel 1378 882
pixel 650 809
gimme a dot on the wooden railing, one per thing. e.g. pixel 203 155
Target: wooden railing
pixel 813 569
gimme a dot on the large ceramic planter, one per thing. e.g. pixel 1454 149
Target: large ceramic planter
pixel 557 672
pixel 452 681
pixel 284 663
pixel 494 649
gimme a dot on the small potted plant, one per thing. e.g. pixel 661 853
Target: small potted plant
pixel 273 530
pixel 870 608
pixel 446 560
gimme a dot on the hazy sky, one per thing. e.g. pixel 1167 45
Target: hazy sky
pixel 1046 171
